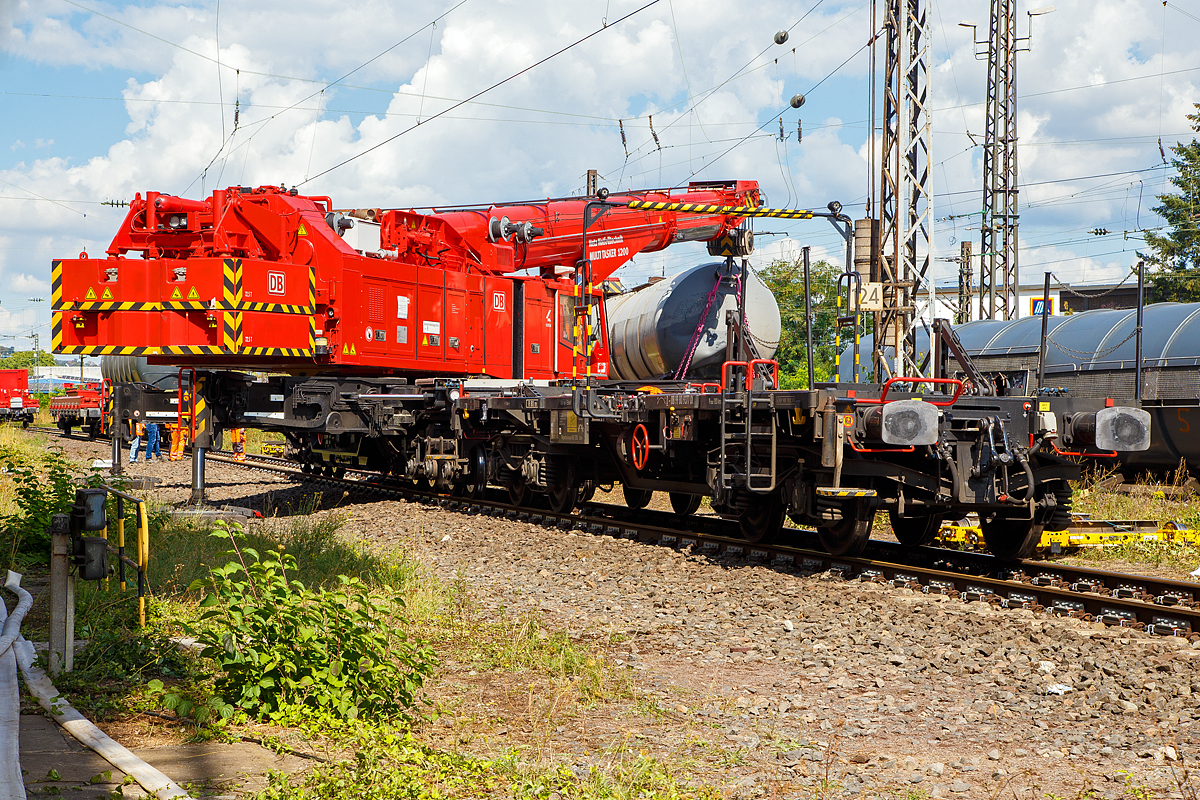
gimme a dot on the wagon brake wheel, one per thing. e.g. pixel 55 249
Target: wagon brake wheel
pixel 639 447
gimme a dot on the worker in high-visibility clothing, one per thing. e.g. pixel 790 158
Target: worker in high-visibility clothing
pixel 238 437
pixel 178 441
pixel 138 429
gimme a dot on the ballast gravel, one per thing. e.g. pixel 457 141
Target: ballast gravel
pixel 802 679
pixel 888 687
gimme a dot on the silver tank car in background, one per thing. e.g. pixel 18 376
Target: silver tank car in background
pixel 134 369
pixel 651 328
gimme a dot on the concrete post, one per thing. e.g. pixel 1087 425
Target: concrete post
pixel 62 597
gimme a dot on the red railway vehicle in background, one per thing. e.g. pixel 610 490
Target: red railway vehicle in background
pixel 82 405
pixel 16 403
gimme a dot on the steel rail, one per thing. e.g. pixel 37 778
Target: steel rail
pixel 1157 605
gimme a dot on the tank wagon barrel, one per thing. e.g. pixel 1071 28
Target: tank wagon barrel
pixel 1092 354
pixel 475 347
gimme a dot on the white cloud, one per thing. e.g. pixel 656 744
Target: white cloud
pixel 537 135
pixel 28 284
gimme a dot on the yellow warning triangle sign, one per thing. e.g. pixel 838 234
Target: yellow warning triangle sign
pixel 345 349
pixel 176 295
pixel 424 340
pixel 302 231
pixel 193 294
pixel 352 351
pixel 107 295
pixel 91 294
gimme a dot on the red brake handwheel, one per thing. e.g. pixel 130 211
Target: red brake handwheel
pixel 640 447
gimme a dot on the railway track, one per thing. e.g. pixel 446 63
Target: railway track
pixel 1160 606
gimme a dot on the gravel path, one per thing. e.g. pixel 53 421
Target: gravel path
pixel 787 678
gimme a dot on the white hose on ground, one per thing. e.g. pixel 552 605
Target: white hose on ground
pixel 72 721
pixel 12 783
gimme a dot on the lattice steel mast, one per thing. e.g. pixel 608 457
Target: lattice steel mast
pixel 998 270
pixel 905 192
pixel 998 240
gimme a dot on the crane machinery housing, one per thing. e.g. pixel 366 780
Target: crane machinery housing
pixel 468 347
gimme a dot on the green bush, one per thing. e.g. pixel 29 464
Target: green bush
pixel 42 487
pixel 282 646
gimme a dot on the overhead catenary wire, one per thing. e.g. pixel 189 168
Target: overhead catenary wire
pixel 768 122
pixel 482 92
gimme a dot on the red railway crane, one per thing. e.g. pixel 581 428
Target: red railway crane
pixel 271 279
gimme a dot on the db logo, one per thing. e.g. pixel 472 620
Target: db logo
pixel 497 301
pixel 275 283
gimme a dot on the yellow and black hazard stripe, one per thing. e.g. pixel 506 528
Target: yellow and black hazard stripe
pixel 312 289
pixel 200 420
pixel 183 305
pixel 232 279
pixel 731 211
pixel 192 350
pixel 275 308
pixel 110 305
pixel 233 331
pixel 56 332
pixel 829 491
pixel 106 350
pixel 277 352
pixel 55 283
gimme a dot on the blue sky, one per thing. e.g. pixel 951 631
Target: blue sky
pixel 104 99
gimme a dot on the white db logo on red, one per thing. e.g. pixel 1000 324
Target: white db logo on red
pixel 275 283
pixel 497 301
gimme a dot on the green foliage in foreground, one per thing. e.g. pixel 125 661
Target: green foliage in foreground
pixel 389 763
pixel 42 486
pixel 283 648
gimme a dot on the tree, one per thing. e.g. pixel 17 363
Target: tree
pixel 785 279
pixel 1175 254
pixel 23 359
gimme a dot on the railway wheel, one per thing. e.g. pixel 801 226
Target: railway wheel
pixel 518 491
pixel 848 536
pixel 587 490
pixel 917 530
pixel 761 522
pixel 1010 539
pixel 565 492
pixel 684 504
pixel 637 498
pixel 475 481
